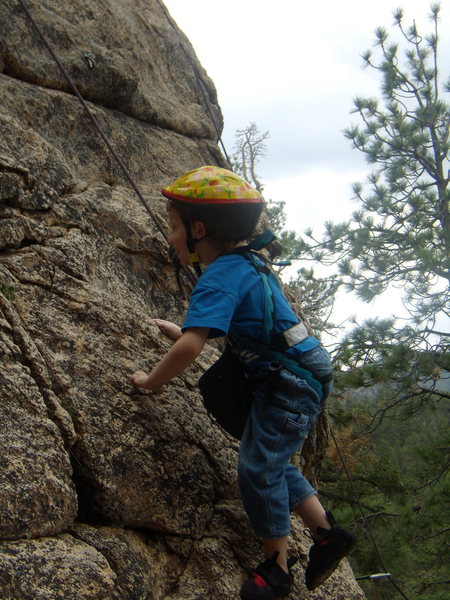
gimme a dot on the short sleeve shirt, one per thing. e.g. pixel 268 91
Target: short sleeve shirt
pixel 229 299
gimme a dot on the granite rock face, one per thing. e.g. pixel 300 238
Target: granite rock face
pixel 107 492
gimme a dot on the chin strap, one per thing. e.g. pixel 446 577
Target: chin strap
pixel 191 246
pixel 195 262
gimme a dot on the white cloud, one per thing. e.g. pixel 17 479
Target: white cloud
pixel 294 68
pixel 314 196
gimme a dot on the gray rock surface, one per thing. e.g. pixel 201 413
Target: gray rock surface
pixel 107 492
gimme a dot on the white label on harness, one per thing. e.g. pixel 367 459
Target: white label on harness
pixel 295 334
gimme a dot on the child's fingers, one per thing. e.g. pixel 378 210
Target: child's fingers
pixel 163 325
pixel 137 377
pixel 168 328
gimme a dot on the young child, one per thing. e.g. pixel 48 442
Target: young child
pixel 211 210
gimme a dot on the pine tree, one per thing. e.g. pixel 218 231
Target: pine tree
pixel 390 408
pixel 250 147
pixel 314 295
pixel 401 233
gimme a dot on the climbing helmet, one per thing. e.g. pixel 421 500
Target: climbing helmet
pixel 227 204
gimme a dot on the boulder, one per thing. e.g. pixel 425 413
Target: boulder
pixel 107 491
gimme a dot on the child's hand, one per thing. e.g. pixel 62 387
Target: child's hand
pixel 141 379
pixel 170 329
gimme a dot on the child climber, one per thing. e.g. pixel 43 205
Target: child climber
pixel 211 210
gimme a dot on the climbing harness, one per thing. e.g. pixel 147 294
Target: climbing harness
pixel 225 387
pixel 273 346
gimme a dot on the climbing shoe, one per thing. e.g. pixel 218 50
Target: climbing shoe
pixel 269 581
pixel 326 554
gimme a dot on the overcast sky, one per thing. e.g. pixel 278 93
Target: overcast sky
pixel 294 68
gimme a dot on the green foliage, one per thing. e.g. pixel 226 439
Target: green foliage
pixel 315 295
pixel 401 474
pixel 390 409
pixel 277 218
pixel 401 234
pixel 7 291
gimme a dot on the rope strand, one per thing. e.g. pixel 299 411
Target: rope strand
pixel 190 275
pixel 200 83
pixel 366 522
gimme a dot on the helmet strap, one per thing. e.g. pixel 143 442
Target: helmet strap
pixel 191 243
pixel 195 262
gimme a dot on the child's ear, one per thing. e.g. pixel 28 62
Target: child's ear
pixel 198 230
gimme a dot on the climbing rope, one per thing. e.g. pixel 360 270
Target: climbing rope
pixel 200 84
pixel 188 272
pixel 366 521
pixel 91 63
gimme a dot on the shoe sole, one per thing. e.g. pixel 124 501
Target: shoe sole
pixel 330 570
pixel 245 596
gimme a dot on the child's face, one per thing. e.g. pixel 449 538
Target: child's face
pixel 177 237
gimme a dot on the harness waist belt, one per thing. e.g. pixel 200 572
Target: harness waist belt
pixel 289 337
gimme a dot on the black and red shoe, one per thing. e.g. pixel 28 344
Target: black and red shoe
pixel 326 554
pixel 269 581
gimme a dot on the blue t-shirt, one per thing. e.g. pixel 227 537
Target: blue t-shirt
pixel 229 299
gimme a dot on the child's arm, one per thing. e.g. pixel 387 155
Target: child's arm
pixel 178 358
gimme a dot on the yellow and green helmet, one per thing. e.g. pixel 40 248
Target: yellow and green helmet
pixel 228 205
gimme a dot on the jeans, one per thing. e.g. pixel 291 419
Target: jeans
pixel 318 362
pixel 284 408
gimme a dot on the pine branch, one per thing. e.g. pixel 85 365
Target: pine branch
pixel 348 500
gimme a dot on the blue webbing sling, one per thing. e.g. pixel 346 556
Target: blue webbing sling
pixel 263 347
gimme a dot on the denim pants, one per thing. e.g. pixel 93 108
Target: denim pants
pixel 284 408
